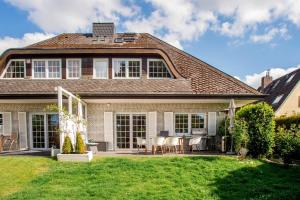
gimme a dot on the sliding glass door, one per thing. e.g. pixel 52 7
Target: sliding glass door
pixel 129 126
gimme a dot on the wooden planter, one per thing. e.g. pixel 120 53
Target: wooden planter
pixel 86 157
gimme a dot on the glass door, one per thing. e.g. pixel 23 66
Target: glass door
pixel 38 131
pixel 53 130
pixel 128 128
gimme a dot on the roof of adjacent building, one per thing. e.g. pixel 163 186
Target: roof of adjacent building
pixel 198 76
pixel 280 88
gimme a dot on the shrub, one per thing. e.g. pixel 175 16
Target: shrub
pixel 287 121
pixel 67 146
pixel 221 129
pixel 79 147
pixel 287 143
pixel 260 122
pixel 241 137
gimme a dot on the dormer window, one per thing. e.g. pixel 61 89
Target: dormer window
pixel 15 69
pixel 127 68
pixel 49 69
pixel 157 68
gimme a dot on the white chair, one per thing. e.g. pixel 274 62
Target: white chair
pixel 172 143
pixel 140 142
pixel 194 142
pixel 158 142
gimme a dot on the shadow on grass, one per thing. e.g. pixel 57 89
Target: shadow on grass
pixel 266 181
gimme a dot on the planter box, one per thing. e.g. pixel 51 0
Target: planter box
pixel 87 157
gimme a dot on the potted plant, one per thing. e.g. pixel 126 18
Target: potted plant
pixel 241 138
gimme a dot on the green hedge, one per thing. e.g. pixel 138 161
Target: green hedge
pixel 260 124
pixel 287 121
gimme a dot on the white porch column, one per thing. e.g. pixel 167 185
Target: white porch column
pixel 60 116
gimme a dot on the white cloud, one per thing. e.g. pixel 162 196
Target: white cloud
pixel 27 39
pixel 254 80
pixel 270 35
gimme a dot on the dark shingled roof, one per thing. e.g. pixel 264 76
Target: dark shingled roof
pixel 282 86
pixel 199 77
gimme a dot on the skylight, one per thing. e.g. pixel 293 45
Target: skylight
pixel 278 98
pixel 274 86
pixel 291 78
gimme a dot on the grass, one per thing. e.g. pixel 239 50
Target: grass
pixel 147 178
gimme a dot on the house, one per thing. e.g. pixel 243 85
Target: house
pixel 133 84
pixel 283 93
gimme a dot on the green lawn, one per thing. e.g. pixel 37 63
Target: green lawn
pixel 147 178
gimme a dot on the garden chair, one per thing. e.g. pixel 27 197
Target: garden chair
pixel 158 142
pixel 140 142
pixel 172 143
pixel 9 141
pixel 194 142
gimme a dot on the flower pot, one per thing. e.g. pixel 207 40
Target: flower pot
pixel 243 152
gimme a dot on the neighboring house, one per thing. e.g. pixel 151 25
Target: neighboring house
pixel 283 93
pixel 134 84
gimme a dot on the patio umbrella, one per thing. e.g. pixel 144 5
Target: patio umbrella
pixel 231 113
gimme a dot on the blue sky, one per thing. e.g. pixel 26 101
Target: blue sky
pixel 242 38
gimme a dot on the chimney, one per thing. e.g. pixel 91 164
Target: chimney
pixel 266 80
pixel 103 30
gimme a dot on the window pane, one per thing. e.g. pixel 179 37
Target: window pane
pixel 181 123
pixel 120 69
pixel 101 69
pixel 134 69
pixel 54 69
pixel 74 69
pixel 197 121
pixel 158 69
pixel 39 69
pixel 1 124
pixel 16 69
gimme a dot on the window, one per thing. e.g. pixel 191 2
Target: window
pixel 181 123
pixel 185 122
pixel 100 70
pixel 73 68
pixel 1 123
pixel 127 68
pixel 157 68
pixel 291 78
pixel 278 98
pixel 46 69
pixel 15 69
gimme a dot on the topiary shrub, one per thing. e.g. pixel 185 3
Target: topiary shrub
pixel 287 144
pixel 79 147
pixel 67 146
pixel 260 122
pixel 241 137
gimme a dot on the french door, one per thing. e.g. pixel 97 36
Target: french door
pixel 129 126
pixel 44 131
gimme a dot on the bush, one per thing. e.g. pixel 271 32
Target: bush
pixel 287 143
pixel 241 137
pixel 67 146
pixel 287 121
pixel 260 122
pixel 79 147
pixel 221 129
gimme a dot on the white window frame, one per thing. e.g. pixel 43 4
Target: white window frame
pixel 67 67
pixel 126 67
pixel 46 68
pixel 155 60
pixel 1 133
pixel 8 64
pixel 94 69
pixel 189 121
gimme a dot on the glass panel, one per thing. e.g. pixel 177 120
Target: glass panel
pixel 39 69
pixel 1 123
pixel 123 131
pixel 134 68
pixel 197 121
pixel 101 68
pixel 53 130
pixel 120 69
pixel 138 127
pixel 38 131
pixel 181 123
pixel 74 69
pixel 158 69
pixel 54 69
pixel 16 69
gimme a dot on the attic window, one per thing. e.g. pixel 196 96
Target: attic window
pixel 15 69
pixel 157 68
pixel 291 78
pixel 278 98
